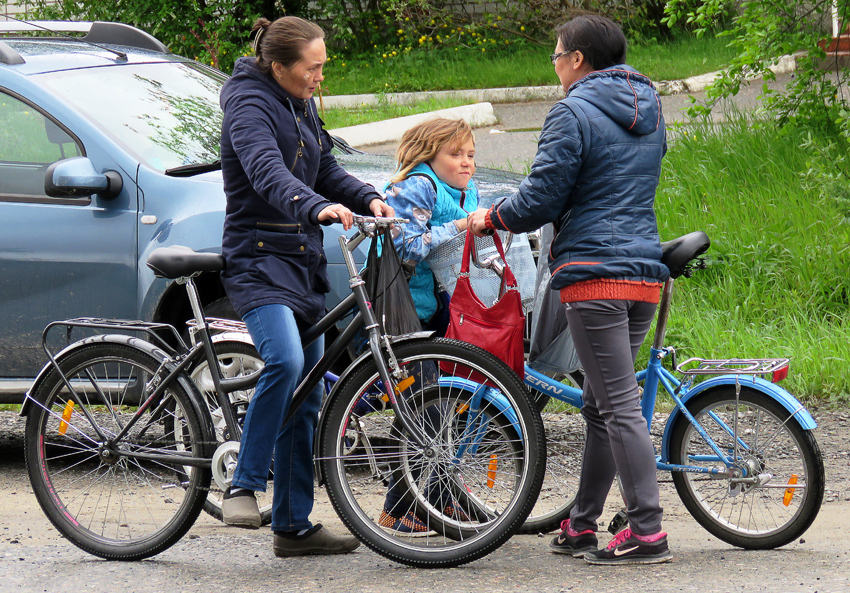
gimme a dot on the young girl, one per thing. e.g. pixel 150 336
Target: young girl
pixel 433 188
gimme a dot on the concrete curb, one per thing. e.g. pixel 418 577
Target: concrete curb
pixel 481 113
pixel 391 130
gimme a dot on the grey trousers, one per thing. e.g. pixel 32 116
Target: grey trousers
pixel 607 336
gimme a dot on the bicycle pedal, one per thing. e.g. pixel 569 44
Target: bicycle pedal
pixel 619 522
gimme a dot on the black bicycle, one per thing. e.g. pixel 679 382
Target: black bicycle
pixel 121 446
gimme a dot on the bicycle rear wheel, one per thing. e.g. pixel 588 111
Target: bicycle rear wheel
pixel 236 359
pixel 124 499
pixel 782 460
pixel 565 432
pixel 474 482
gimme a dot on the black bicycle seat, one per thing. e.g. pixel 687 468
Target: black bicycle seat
pixel 678 253
pixel 178 261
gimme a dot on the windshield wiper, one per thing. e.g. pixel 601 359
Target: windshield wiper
pixel 194 169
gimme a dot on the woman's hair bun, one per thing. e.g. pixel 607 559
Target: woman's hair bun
pixel 260 27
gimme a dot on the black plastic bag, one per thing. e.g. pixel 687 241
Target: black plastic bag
pixel 386 283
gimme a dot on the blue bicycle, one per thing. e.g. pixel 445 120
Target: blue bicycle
pixel 740 448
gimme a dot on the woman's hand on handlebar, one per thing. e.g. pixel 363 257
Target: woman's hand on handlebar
pixel 337 213
pixel 476 223
pixel 379 208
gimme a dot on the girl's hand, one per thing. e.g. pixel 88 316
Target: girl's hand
pixel 337 213
pixel 476 223
pixel 461 224
pixel 378 207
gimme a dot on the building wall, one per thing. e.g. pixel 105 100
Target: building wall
pixel 16 9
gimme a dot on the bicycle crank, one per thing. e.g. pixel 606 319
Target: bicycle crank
pixel 224 463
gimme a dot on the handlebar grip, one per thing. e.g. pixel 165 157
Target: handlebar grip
pixel 489 232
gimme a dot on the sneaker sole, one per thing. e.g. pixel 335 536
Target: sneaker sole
pixel 655 559
pixel 397 533
pixel 570 552
pixel 243 522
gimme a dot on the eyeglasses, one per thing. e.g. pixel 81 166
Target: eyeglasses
pixel 554 57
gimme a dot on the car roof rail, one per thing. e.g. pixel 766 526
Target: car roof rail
pixel 9 55
pixel 96 32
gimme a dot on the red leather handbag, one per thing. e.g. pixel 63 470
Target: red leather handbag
pixel 498 329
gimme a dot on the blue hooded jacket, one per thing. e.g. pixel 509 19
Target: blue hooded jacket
pixel 279 173
pixel 595 175
pixel 432 206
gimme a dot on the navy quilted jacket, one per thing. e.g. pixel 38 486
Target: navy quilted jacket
pixel 279 173
pixel 595 175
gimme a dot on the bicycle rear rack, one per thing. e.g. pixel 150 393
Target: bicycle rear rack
pixel 733 366
pixel 218 324
pixel 117 325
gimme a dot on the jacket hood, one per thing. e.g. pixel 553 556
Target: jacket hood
pixel 248 78
pixel 624 95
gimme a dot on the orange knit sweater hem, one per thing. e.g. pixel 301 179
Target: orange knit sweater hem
pixel 605 289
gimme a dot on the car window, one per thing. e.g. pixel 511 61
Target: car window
pixel 165 113
pixel 29 143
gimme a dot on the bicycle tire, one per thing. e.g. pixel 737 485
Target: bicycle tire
pixel 565 433
pixel 764 516
pixel 115 506
pixel 356 476
pixel 236 359
pixel 497 438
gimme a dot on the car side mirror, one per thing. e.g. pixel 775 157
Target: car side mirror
pixel 77 178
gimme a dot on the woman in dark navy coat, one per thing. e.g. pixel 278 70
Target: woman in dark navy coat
pixel 282 183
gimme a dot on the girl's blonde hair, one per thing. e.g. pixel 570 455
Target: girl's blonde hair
pixel 422 142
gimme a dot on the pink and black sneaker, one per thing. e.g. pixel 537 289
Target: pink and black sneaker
pixel 572 542
pixel 628 548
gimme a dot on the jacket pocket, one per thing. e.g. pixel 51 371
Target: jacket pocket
pixel 283 259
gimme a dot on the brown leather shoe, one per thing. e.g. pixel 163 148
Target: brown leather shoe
pixel 241 510
pixel 317 541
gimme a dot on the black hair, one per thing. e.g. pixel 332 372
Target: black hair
pixel 599 39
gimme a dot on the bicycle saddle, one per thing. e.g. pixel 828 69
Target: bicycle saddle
pixel 178 261
pixel 677 253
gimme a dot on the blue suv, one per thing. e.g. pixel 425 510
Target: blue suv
pixel 109 149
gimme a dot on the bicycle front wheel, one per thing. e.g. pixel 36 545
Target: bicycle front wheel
pixel 467 489
pixel 778 487
pixel 120 499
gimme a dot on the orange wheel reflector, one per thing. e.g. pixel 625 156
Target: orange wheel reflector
pixel 789 492
pixel 491 471
pixel 66 416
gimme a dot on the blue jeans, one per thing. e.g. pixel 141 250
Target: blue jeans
pixel 277 336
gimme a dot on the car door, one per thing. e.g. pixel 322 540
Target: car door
pixel 59 257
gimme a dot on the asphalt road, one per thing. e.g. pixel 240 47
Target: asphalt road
pixel 212 557
pixel 512 143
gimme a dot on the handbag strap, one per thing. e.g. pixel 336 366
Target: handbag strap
pixel 510 279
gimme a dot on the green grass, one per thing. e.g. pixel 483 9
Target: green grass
pixel 446 69
pixel 338 118
pixel 777 285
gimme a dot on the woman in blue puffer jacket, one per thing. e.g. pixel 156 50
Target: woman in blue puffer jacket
pixel 594 176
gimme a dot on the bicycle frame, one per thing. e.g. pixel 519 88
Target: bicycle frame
pixel 655 375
